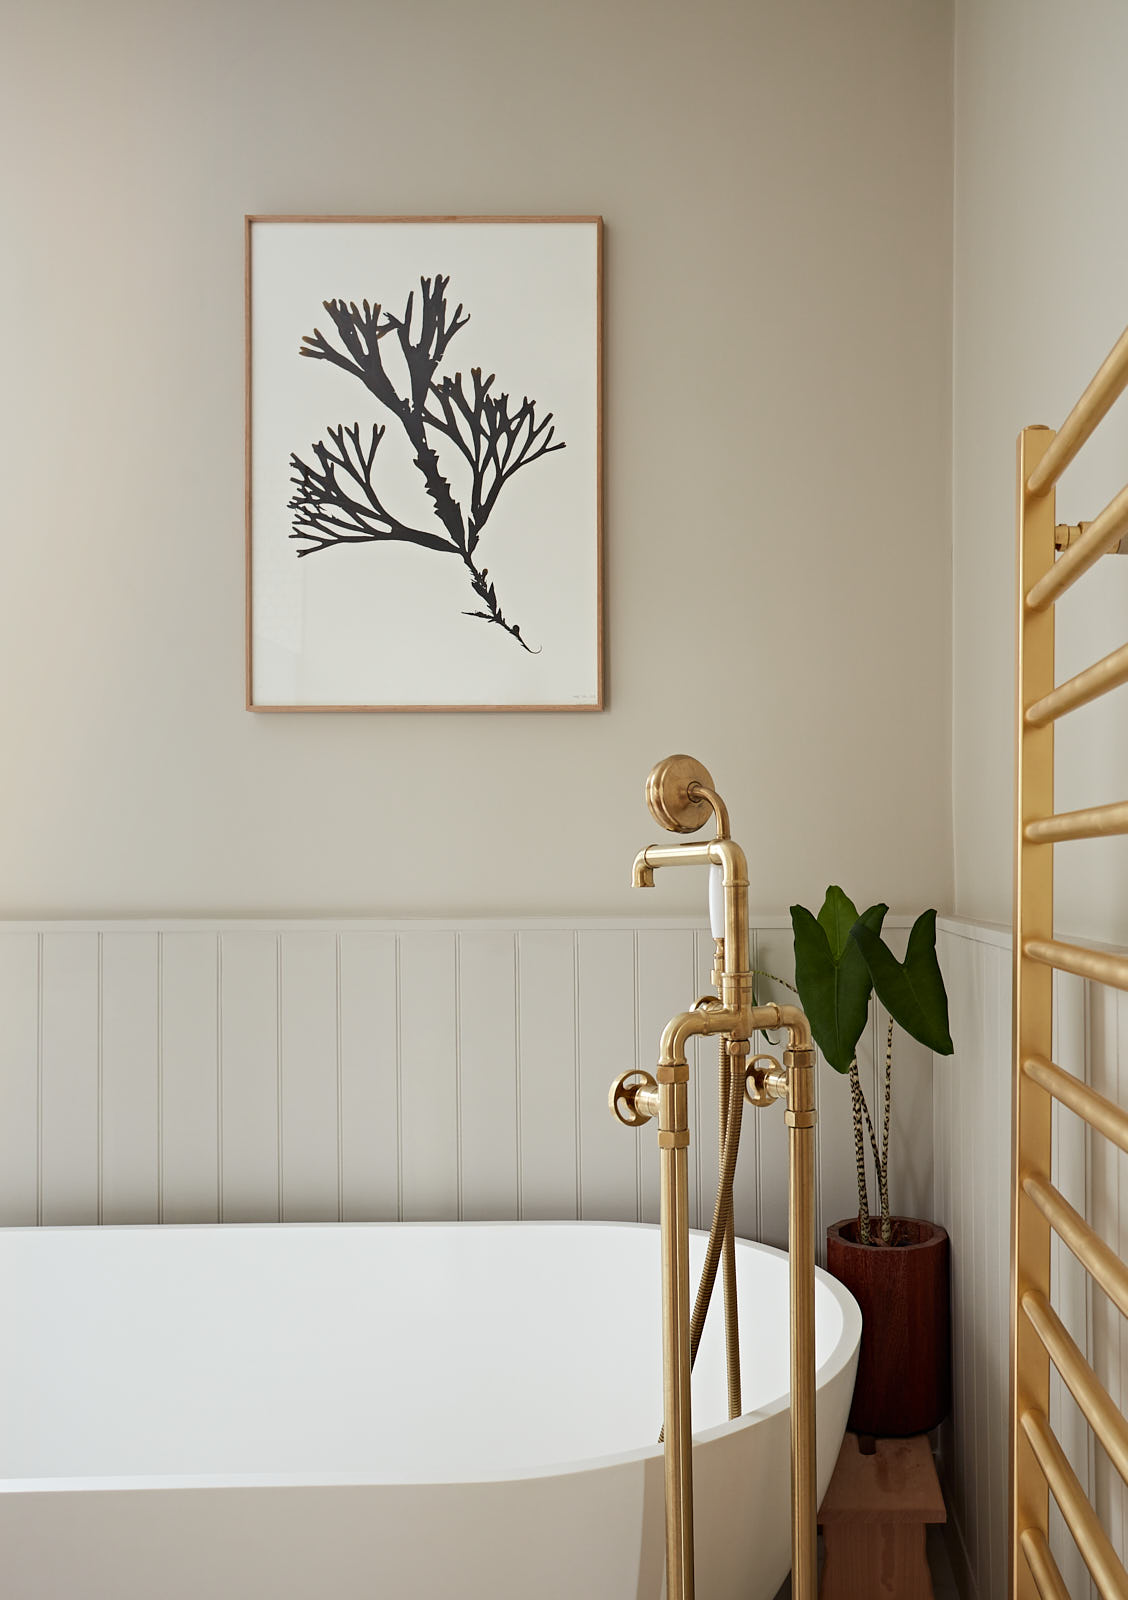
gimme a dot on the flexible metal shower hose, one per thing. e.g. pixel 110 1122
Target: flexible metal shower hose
pixel 721 1235
pixel 722 1242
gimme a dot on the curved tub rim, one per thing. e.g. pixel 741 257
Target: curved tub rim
pixel 839 1357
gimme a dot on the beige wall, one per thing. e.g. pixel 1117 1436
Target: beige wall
pixel 1041 293
pixel 776 186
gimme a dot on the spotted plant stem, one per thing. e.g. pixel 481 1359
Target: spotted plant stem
pixel 883 1166
pixel 858 1102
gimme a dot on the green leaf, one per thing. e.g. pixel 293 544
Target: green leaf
pixel 911 991
pixel 832 978
pixel 837 917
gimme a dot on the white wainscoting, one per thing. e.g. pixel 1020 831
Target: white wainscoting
pixel 971 1119
pixel 971 1153
pixel 253 1071
pixel 235 1071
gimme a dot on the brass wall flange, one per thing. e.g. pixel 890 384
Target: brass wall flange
pixel 668 795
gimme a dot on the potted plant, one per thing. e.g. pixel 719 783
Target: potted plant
pixel 896 1267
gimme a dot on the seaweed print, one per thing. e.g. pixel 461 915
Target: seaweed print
pixel 337 500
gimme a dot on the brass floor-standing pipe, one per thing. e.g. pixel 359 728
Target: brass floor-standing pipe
pixel 799 1066
pixel 681 797
pixel 674 1169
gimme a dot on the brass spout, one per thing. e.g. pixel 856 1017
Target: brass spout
pixel 733 863
pixel 642 873
pixel 670 855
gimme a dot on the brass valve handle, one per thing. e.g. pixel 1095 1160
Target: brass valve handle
pixel 763 1085
pixel 624 1097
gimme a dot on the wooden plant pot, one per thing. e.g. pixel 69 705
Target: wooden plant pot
pixel 904 1365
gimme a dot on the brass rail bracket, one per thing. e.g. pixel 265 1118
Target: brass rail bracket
pixel 1067 533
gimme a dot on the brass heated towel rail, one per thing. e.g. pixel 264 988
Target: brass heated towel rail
pixel 1038 1464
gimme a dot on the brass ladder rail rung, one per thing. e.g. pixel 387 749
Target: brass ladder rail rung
pixel 1108 383
pixel 1043 1568
pixel 1096 1404
pixel 1105 1116
pixel 1094 964
pixel 1103 533
pixel 1091 1539
pixel 1100 1262
pixel 1093 822
pixel 1106 674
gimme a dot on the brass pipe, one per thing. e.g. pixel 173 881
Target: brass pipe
pixel 678 1427
pixel 672 1075
pixel 795 1021
pixel 730 1112
pixel 687 1025
pixel 799 1065
pixel 741 1024
pixel 702 791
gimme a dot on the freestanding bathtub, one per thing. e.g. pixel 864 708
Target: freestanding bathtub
pixel 427 1411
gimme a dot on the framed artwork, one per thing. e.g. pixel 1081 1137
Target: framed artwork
pixel 424 520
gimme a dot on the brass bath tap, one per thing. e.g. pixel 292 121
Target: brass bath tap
pixel 681 797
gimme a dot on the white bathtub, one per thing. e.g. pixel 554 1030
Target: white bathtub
pixel 429 1411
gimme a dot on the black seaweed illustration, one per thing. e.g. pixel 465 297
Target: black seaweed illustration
pixel 337 500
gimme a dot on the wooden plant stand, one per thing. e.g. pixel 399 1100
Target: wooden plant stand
pixel 873 1520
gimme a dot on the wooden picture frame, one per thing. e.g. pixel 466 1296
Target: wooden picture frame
pixel 453 379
